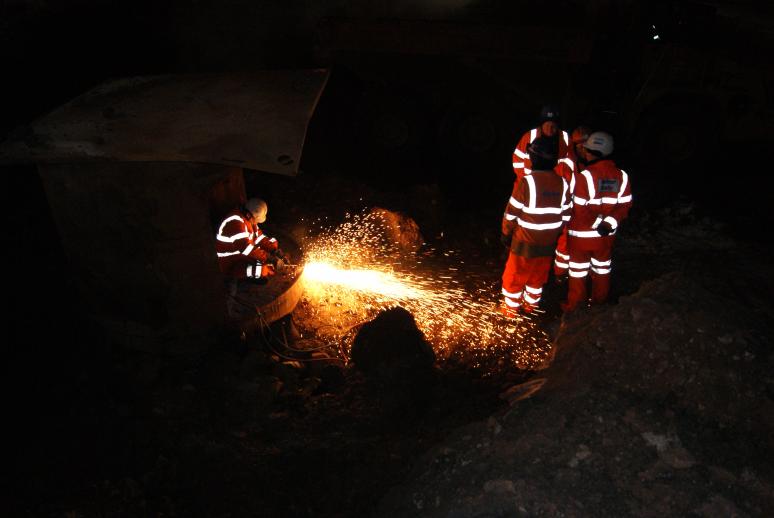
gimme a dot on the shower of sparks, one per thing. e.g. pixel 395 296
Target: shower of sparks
pixel 353 271
pixel 371 281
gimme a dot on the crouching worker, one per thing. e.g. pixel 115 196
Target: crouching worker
pixel 533 220
pixel 244 251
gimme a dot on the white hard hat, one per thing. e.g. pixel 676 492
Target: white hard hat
pixel 600 141
pixel 258 208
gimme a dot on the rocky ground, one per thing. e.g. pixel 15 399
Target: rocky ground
pixel 657 406
pixel 659 403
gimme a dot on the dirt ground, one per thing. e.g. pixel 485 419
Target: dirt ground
pixel 659 403
pixel 657 406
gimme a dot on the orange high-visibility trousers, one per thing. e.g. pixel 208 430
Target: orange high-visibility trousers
pixel 589 254
pixel 523 280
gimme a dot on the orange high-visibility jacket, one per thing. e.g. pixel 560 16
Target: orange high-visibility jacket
pixel 241 246
pixel 535 213
pixel 601 192
pixel 522 165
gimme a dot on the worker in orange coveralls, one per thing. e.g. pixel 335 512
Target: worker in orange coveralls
pixel 565 168
pixel 548 128
pixel 533 219
pixel 243 249
pixel 601 198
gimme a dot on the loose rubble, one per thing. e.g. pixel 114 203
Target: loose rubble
pixel 660 405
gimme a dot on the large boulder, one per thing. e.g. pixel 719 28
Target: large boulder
pixel 392 346
pixel 399 230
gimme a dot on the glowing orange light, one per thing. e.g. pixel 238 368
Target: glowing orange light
pixel 351 273
pixel 371 281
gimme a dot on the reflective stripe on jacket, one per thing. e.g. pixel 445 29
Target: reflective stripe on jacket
pixel 522 165
pixel 239 243
pixel 566 167
pixel 601 192
pixel 535 213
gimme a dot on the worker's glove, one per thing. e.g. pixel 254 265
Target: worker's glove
pixel 506 239
pixel 604 229
pixel 267 270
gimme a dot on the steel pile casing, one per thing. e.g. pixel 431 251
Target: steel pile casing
pixel 137 172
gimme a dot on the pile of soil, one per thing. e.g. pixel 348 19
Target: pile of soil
pixel 660 405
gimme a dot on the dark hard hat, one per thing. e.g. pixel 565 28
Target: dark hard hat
pixel 542 153
pixel 549 113
pixel 543 147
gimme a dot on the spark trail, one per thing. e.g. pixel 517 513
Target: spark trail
pixel 352 273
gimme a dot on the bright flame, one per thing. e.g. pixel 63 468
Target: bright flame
pixel 371 281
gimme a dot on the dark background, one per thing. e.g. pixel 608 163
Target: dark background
pixel 443 101
pixel 439 91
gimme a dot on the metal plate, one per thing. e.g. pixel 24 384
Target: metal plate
pixel 253 120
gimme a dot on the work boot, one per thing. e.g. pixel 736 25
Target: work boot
pixel 508 312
